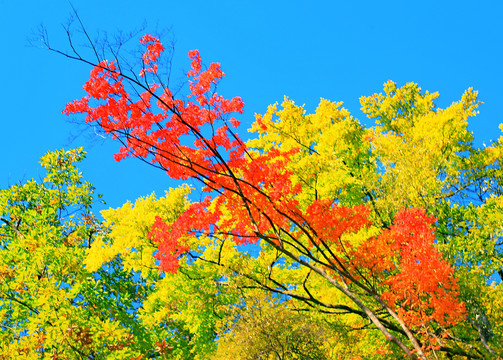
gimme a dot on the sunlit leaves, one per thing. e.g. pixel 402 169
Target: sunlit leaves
pixel 67 289
pixel 369 222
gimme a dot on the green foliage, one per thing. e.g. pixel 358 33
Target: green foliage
pixel 72 288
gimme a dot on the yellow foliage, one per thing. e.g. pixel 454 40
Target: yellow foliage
pixel 129 226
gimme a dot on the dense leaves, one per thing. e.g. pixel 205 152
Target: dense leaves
pixel 73 288
pixel 387 238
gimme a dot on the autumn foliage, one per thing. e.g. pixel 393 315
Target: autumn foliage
pixel 317 238
pixel 423 289
pixel 259 195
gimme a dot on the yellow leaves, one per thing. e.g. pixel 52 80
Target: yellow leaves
pixel 494 152
pixel 31 244
pixel 396 110
pixel 264 327
pixel 291 128
pixel 329 112
pixel 328 141
pixel 365 233
pixel 415 142
pixel 470 102
pixel 424 103
pixel 129 226
pixel 98 254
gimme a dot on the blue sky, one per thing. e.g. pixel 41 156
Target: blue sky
pixel 338 50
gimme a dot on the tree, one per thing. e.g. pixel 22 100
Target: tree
pixel 379 223
pixel 46 296
pixel 69 289
pixel 265 330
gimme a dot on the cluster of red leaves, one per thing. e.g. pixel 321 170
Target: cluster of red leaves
pixel 171 237
pixel 217 159
pixel 152 55
pixel 328 221
pixel 268 193
pixel 423 287
pixel 147 131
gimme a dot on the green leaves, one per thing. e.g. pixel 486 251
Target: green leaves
pixel 57 298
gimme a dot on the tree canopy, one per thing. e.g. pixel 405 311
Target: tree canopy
pixel 366 242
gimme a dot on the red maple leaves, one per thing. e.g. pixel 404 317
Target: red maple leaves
pixel 419 283
pixel 424 288
pixel 152 55
pixel 254 195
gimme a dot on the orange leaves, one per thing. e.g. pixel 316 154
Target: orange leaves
pixel 423 287
pixel 329 221
pixel 377 255
pixel 418 283
pixel 163 347
pixel 256 199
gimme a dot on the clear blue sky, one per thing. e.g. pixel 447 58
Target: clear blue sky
pixel 339 50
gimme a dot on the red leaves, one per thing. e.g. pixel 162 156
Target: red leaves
pixel 99 87
pixel 115 111
pixel 152 55
pixel 195 64
pixel 203 81
pixel 329 221
pixel 424 288
pixel 170 247
pixel 171 239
